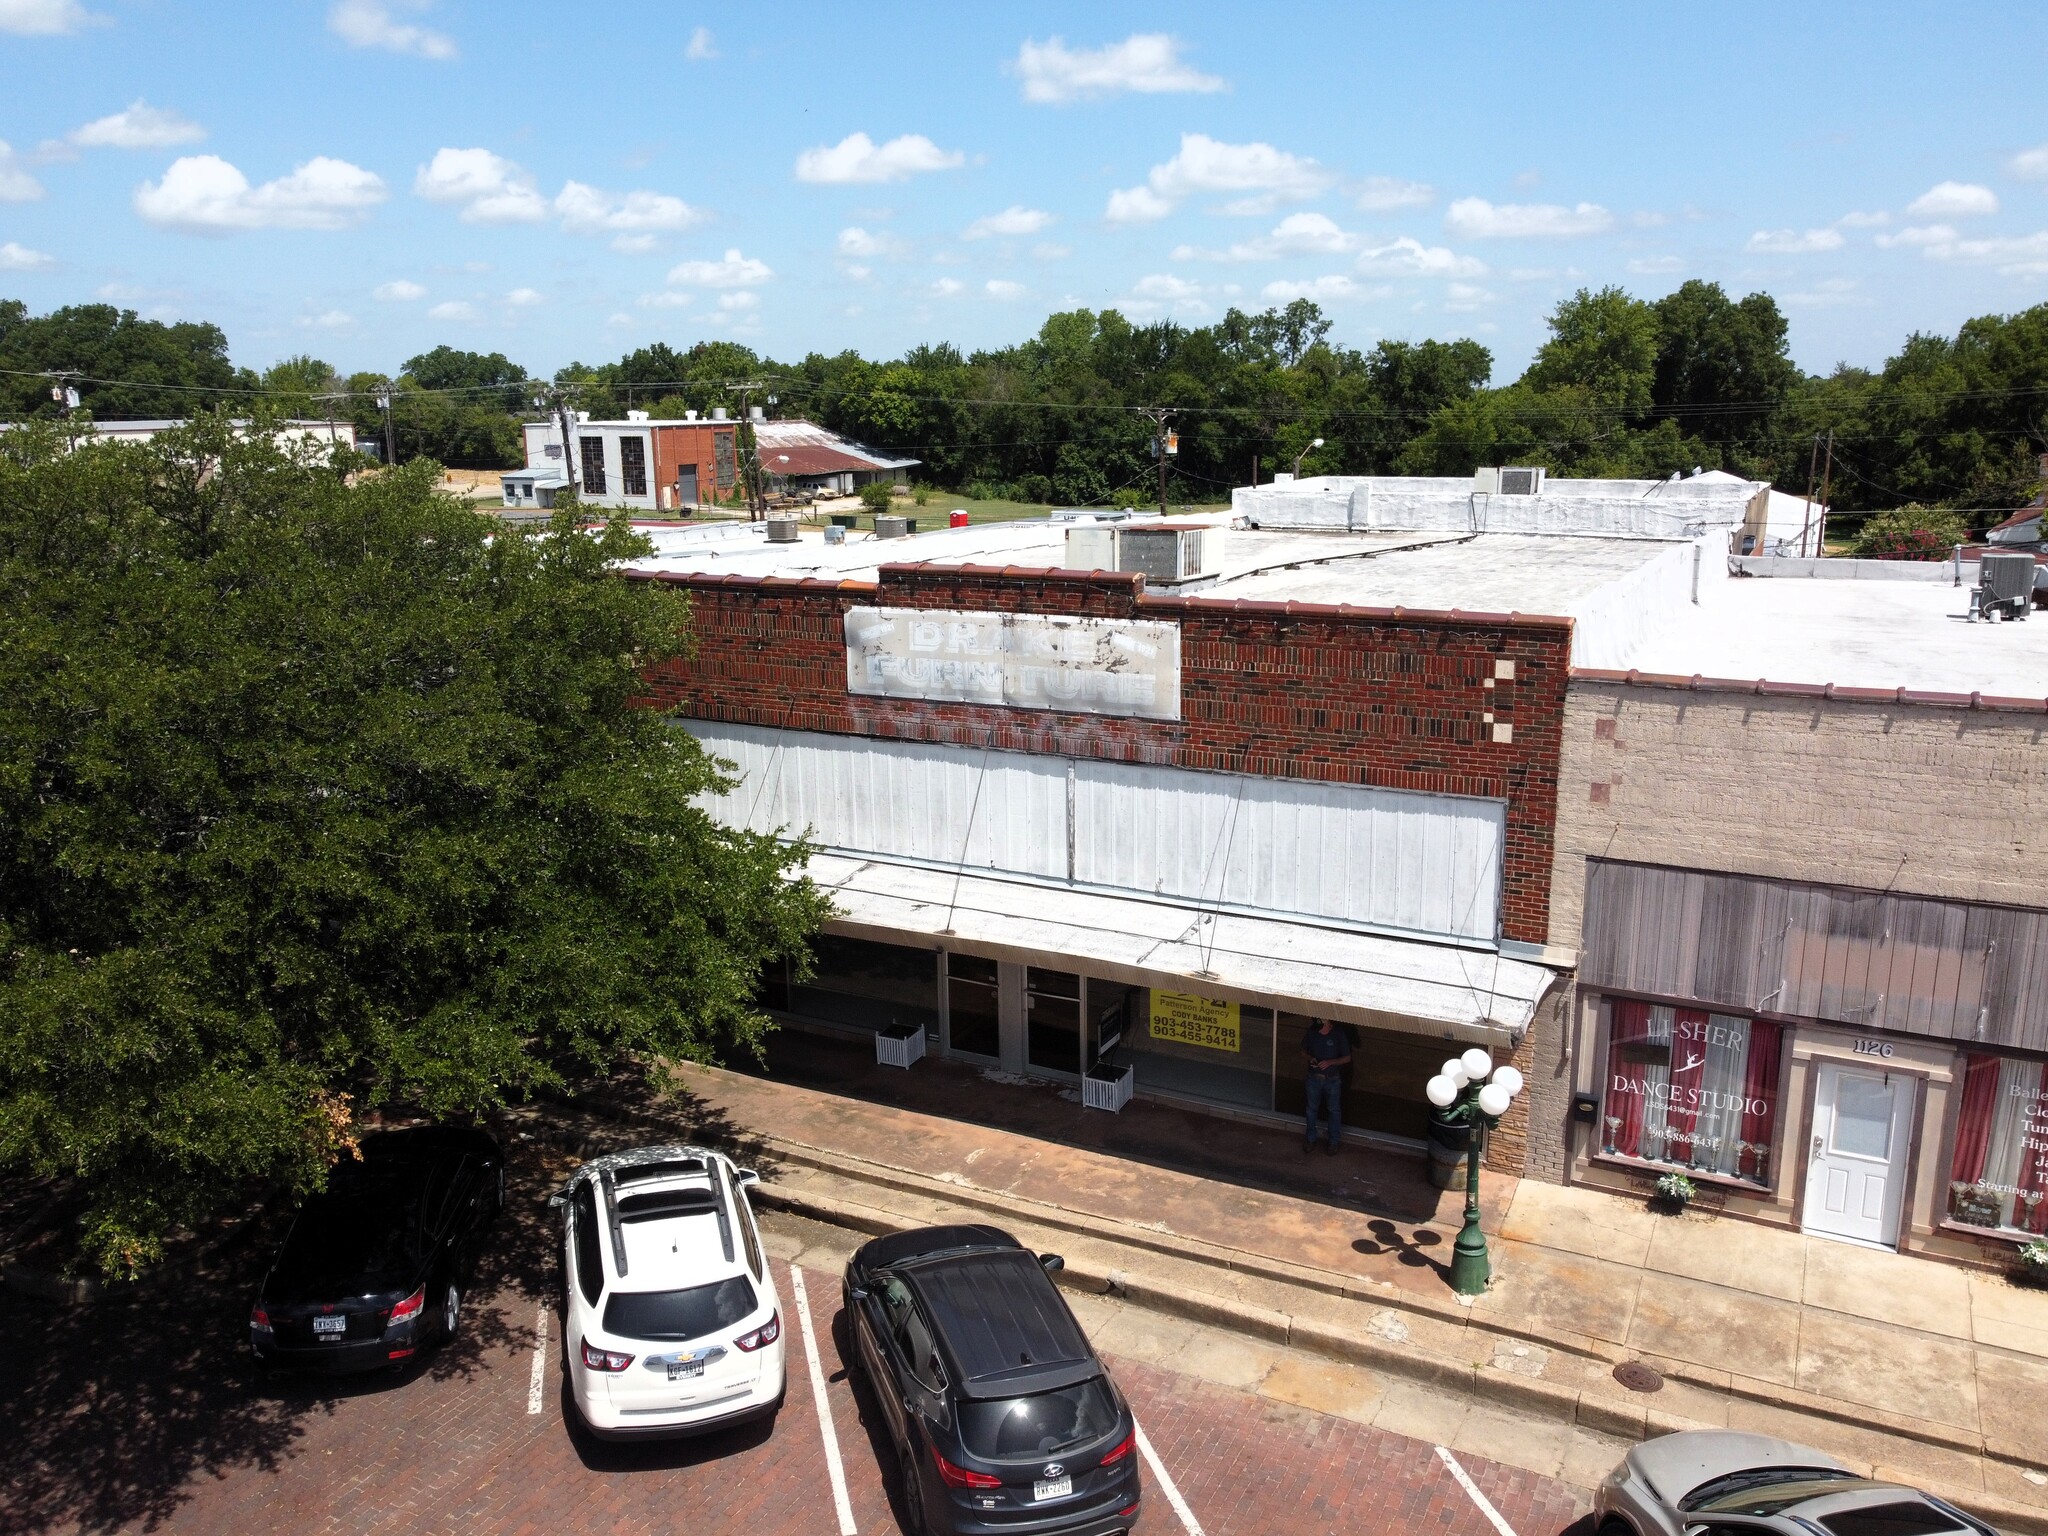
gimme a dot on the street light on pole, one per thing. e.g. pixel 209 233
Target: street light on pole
pixel 1470 1089
pixel 1311 448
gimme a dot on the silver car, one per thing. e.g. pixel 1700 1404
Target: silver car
pixel 1720 1483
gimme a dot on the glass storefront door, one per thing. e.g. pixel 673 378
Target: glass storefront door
pixel 973 1013
pixel 1052 1013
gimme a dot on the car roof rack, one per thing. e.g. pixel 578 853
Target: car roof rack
pixel 654 1204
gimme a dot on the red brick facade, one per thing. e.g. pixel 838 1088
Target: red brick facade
pixel 1377 696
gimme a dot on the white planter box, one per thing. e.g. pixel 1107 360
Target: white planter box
pixel 899 1047
pixel 1111 1094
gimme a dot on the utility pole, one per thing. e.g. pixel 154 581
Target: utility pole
pixel 1812 465
pixel 65 392
pixel 750 452
pixel 1826 481
pixel 554 399
pixel 1163 444
pixel 384 387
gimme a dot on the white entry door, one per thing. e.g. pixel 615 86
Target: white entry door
pixel 1856 1180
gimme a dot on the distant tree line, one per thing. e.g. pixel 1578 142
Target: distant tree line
pixel 1622 386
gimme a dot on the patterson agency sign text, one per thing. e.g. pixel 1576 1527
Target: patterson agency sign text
pixel 1023 660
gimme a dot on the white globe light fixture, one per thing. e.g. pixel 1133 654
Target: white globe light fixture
pixel 1461 1091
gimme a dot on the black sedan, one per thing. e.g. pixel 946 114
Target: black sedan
pixel 373 1267
pixel 1002 1417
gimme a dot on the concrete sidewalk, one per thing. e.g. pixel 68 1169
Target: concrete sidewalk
pixel 1929 1373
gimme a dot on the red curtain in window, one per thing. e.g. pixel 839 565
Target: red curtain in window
pixel 1973 1123
pixel 1760 1096
pixel 1626 1080
pixel 2033 1179
pixel 1688 1073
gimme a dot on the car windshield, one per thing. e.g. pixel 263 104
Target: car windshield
pixel 1900 1519
pixel 675 1316
pixel 363 1236
pixel 1043 1424
pixel 1766 1490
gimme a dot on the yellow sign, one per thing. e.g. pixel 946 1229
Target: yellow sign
pixel 1191 1020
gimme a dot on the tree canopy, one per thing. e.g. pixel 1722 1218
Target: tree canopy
pixel 317 797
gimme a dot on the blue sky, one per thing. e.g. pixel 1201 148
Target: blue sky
pixel 364 179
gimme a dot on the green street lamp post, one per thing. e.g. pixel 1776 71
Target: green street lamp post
pixel 1470 1089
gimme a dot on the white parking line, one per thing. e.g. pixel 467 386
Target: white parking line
pixel 1180 1505
pixel 540 1362
pixel 832 1461
pixel 1465 1482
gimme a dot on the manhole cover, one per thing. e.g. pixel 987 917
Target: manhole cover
pixel 1638 1377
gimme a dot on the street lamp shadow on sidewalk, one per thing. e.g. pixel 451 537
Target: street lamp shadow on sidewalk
pixel 1407 1249
pixel 1471 1091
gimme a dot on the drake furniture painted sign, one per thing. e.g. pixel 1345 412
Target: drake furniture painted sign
pixel 1023 660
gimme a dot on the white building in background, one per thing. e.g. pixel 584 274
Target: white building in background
pixel 288 434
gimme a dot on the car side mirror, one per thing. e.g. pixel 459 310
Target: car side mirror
pixel 557 1201
pixel 748 1178
pixel 856 1293
pixel 1051 1262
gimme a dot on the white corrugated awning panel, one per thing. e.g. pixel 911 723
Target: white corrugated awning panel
pixel 1378 982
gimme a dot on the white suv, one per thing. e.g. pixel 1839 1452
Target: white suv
pixel 673 1324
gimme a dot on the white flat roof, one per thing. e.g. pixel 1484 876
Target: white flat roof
pixel 1854 634
pixel 1466 994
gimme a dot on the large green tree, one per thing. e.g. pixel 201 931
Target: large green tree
pixel 317 797
pixel 156 369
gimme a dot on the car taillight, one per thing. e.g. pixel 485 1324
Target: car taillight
pixel 1128 1445
pixel 767 1333
pixel 595 1359
pixel 259 1320
pixel 411 1307
pixel 960 1477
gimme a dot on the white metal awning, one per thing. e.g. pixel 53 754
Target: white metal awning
pixel 1381 983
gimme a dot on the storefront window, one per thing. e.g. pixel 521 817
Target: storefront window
pixel 1196 1047
pixel 1998 1178
pixel 1383 1084
pixel 1691 1089
pixel 972 1021
pixel 859 984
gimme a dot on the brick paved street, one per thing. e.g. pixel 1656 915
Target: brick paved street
pixel 146 1415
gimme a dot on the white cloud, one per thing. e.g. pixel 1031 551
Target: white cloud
pixel 1792 242
pixel 1203 164
pixel 1015 220
pixel 732 271
pixel 584 210
pixel 1321 289
pixel 732 303
pixel 702 46
pixel 1460 297
pixel 1148 63
pixel 1921 235
pixel 205 194
pixel 140 126
pixel 454 309
pixel 947 287
pixel 1299 234
pixel 1651 266
pixel 329 320
pixel 44 18
pixel 1047 251
pixel 667 300
pixel 2030 164
pixel 865 245
pixel 398 291
pixel 1649 218
pixel 489 188
pixel 858 158
pixel 16 185
pixel 858 273
pixel 19 258
pixel 1477 219
pixel 1003 288
pixel 1832 293
pixel 1162 293
pixel 1860 220
pixel 1409 257
pixel 370 24
pixel 524 298
pixel 1383 194
pixel 1953 199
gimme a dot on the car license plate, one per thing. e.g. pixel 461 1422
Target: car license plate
pixel 681 1370
pixel 329 1327
pixel 1058 1488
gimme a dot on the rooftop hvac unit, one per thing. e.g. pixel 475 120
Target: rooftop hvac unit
pixel 1168 552
pixel 784 530
pixel 1521 482
pixel 887 527
pixel 2005 587
pixel 1091 548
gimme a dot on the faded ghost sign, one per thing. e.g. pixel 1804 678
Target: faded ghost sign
pixel 1024 660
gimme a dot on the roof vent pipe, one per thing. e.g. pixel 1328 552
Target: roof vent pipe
pixel 718 413
pixel 756 413
pixel 689 415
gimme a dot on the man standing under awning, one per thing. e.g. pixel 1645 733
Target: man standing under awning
pixel 1328 1049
